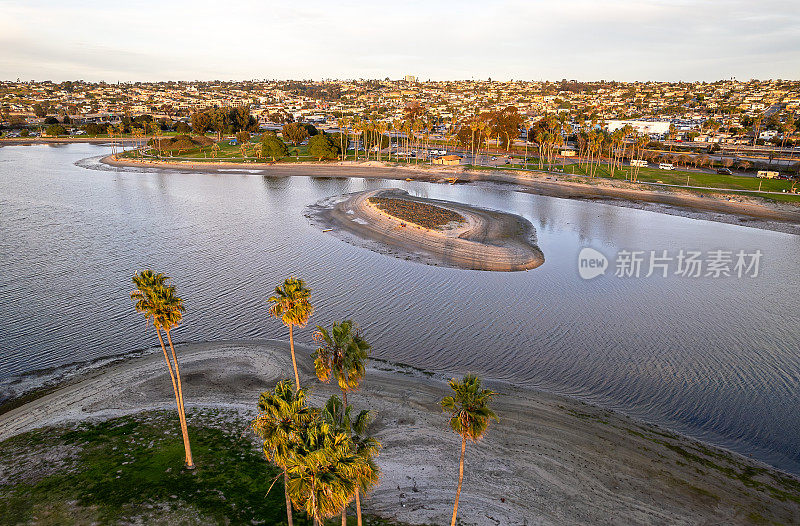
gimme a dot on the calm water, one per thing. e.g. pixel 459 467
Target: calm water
pixel 718 359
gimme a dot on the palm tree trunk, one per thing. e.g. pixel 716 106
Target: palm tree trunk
pixel 184 426
pixel 344 510
pixel 288 500
pixel 460 478
pixel 294 362
pixel 174 387
pixel 358 506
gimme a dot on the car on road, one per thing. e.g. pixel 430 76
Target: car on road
pixel 724 171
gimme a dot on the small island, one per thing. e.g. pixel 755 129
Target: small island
pixel 443 233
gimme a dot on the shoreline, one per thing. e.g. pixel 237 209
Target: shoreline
pixel 732 209
pixel 550 459
pixel 22 141
pixel 487 240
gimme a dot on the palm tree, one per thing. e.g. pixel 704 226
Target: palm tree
pixel 341 124
pixel 291 303
pixel 342 355
pixel 366 447
pixel 323 470
pixel 339 415
pixel 469 417
pixel 159 304
pixel 283 412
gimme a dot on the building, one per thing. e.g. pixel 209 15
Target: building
pixel 648 127
pixel 411 79
pixel 447 160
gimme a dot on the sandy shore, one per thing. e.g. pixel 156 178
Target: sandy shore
pixel 550 460
pixel 486 240
pixel 29 141
pixel 734 209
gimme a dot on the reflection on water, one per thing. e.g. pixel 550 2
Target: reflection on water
pixel 715 358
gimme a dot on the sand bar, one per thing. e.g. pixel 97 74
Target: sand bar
pixel 481 240
pixel 550 460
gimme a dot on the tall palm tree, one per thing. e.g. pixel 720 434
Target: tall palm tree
pixel 366 447
pixel 342 355
pixel 159 304
pixel 291 303
pixel 282 413
pixel 469 417
pixel 323 470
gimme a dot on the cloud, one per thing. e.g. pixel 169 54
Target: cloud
pixel 610 39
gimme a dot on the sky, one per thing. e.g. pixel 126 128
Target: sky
pixel 624 40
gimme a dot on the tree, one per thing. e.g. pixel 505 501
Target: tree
pixel 40 110
pixel 183 128
pixel 339 415
pixel 295 132
pixel 322 147
pixel 282 413
pixel 272 146
pixel 201 122
pixel 160 305
pixel 505 124
pixel 243 138
pixel 323 469
pixel 291 303
pixel 469 417
pixel 341 142
pixel 342 355
pixel 55 130
pixel 310 128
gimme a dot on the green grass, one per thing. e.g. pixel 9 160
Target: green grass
pixel 132 468
pixel 124 465
pixel 680 177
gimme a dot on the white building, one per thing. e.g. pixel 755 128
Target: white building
pixel 648 127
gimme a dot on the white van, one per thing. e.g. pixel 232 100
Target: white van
pixel 666 166
pixel 641 163
pixel 765 174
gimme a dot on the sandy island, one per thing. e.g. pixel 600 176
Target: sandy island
pixel 476 239
pixel 734 209
pixel 550 460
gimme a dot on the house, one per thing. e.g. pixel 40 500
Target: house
pixel 448 160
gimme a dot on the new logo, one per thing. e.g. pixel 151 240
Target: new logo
pixel 591 263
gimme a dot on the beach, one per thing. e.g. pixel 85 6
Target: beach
pixel 549 459
pixel 482 240
pixel 733 209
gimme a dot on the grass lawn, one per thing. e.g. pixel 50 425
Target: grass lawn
pixel 130 470
pixel 679 177
pixel 725 183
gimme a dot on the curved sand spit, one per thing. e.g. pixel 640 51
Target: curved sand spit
pixel 486 240
pixel 549 460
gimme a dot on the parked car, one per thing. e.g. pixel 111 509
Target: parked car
pixel 724 171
